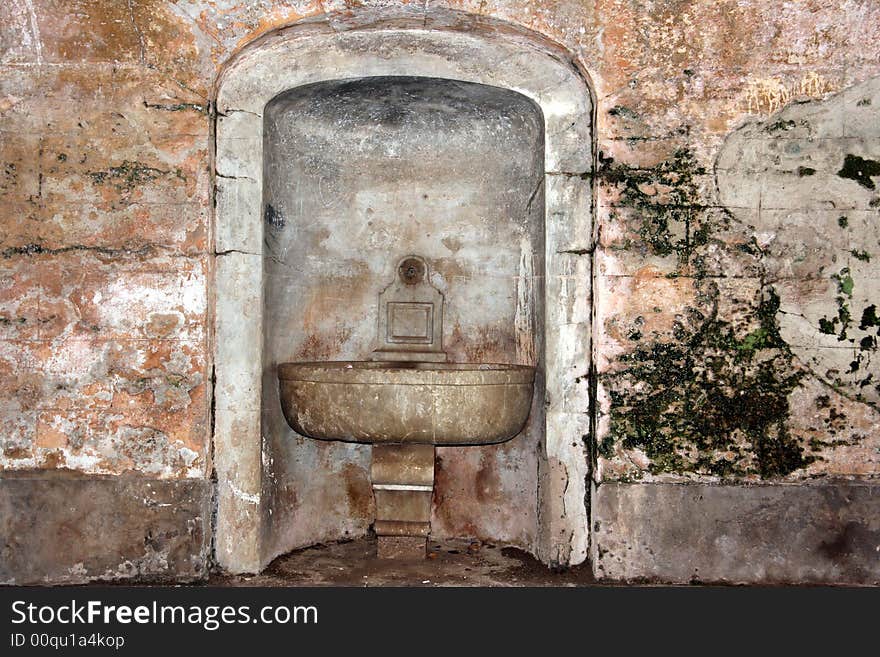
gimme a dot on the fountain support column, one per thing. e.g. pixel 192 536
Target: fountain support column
pixel 403 485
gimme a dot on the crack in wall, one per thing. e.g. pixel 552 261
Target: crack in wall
pixel 37 249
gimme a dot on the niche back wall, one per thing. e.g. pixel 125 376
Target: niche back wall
pixel 358 174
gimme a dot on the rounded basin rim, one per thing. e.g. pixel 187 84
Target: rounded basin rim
pixel 406 372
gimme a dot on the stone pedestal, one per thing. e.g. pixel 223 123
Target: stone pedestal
pixel 403 484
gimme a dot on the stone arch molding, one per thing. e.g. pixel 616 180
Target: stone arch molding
pixel 455 46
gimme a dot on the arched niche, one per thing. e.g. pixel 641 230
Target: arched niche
pixel 429 44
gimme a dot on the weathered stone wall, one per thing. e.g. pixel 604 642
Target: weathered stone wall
pixel 106 207
pixel 735 294
pixel 734 339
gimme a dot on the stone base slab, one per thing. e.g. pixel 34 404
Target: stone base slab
pixel 401 547
pixel 401 528
pixel 826 533
pixel 60 527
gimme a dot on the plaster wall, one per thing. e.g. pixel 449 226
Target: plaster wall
pixel 705 112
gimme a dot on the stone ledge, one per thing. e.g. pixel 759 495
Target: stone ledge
pixel 63 527
pixel 818 533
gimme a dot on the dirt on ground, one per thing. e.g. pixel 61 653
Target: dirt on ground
pixel 448 563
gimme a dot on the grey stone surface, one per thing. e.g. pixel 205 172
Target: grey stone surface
pixel 237 454
pixel 60 527
pixel 804 182
pixel 766 534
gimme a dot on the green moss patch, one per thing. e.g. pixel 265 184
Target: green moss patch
pixel 667 199
pixel 715 402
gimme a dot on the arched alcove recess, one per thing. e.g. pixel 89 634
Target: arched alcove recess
pixel 430 44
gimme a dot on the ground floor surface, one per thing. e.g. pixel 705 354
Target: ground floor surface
pixel 449 563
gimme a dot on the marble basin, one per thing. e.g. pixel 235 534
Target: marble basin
pixel 406 402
